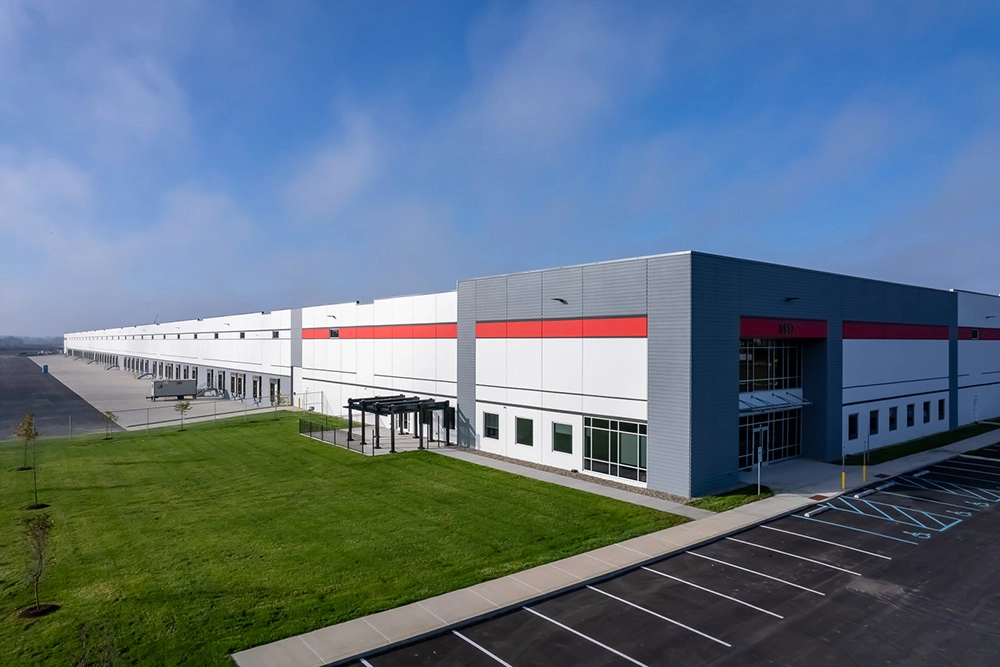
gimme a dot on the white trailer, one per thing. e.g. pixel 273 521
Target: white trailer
pixel 174 389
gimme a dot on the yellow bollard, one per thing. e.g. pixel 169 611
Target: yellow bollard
pixel 864 473
pixel 843 479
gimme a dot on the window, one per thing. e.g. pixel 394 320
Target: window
pixel 562 438
pixel 334 333
pixel 615 448
pixel 178 336
pixel 975 334
pixel 940 409
pixel 524 431
pixel 491 425
pixel 274 334
pixel 243 334
pixel 852 426
pixel 186 370
pixel 893 412
pixel 767 364
pixel 873 422
pixel 927 412
pixel 210 379
pixel 216 335
pixel 196 336
pixel 909 415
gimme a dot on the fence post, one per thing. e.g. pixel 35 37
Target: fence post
pixel 147 420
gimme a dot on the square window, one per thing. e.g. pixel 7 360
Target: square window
pixel 562 438
pixel 940 409
pixel 873 422
pixel 491 425
pixel 927 412
pixel 909 414
pixel 334 333
pixel 274 334
pixel 893 421
pixel 852 426
pixel 243 334
pixel 196 336
pixel 975 334
pixel 216 335
pixel 524 431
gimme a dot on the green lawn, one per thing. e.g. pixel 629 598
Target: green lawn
pixel 189 546
pixel 884 454
pixel 727 501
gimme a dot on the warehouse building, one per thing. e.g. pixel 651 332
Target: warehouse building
pixel 670 371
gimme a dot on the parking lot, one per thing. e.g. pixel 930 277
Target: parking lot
pixel 901 572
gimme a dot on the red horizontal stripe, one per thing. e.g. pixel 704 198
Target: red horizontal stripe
pixel 766 327
pixel 965 333
pixel 610 327
pixel 890 331
pixel 398 331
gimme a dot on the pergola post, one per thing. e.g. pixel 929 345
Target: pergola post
pixel 420 431
pixel 350 422
pixel 392 431
pixel 362 426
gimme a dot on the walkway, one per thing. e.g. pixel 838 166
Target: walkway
pixel 363 635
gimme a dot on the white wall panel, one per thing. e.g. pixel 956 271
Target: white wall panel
pixel 614 367
pixel 868 362
pixel 562 365
pixel 491 361
pixel 524 363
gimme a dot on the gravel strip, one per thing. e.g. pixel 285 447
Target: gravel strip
pixel 590 478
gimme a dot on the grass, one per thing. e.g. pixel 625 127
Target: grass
pixel 894 452
pixel 727 501
pixel 187 546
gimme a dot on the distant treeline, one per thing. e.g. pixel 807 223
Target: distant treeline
pixel 27 342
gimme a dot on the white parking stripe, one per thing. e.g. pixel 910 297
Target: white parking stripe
pixel 660 616
pixel 589 639
pixel 709 590
pixel 461 636
pixel 857 530
pixel 969 470
pixel 836 544
pixel 365 663
pixel 759 574
pixel 785 553
pixel 980 480
pixel 928 500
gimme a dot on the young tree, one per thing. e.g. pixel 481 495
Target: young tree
pixel 109 419
pixel 182 407
pixel 26 431
pixel 36 538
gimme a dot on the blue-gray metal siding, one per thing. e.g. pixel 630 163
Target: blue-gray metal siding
pixel 668 448
pixel 465 414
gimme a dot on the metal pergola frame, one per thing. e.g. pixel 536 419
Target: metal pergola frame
pixel 391 406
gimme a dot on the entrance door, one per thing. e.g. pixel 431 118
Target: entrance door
pixel 760 444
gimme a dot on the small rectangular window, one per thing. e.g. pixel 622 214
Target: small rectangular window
pixel 852 426
pixel 274 334
pixel 491 425
pixel 524 431
pixel 927 412
pixel 334 333
pixel 196 336
pixel 975 334
pixel 243 334
pixel 893 421
pixel 909 414
pixel 940 409
pixel 873 422
pixel 562 438
pixel 178 336
pixel 216 335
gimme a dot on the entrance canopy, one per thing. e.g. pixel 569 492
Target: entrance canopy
pixel 757 403
pixel 397 405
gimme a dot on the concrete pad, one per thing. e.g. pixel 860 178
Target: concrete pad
pixel 583 567
pixel 343 640
pixel 505 591
pixel 403 622
pixel 457 606
pixel 546 577
pixel 291 652
pixel 617 556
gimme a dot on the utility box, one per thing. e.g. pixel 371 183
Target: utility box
pixel 45 368
pixel 174 389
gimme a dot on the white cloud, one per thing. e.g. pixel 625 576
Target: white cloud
pixel 38 193
pixel 328 179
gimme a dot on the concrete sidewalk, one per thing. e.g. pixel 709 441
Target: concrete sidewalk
pixel 370 633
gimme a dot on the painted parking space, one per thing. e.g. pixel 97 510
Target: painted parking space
pixel 786 592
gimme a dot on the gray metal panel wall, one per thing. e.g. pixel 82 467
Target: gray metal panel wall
pixel 465 414
pixel 524 296
pixel 295 354
pixel 723 290
pixel 668 448
pixel 614 289
pixel 564 284
pixel 490 300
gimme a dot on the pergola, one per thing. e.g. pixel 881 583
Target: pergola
pixel 396 405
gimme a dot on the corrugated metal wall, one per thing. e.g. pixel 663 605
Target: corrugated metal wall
pixel 466 412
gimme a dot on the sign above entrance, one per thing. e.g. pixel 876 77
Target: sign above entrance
pixel 766 327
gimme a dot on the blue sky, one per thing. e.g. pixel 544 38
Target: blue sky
pixel 186 159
